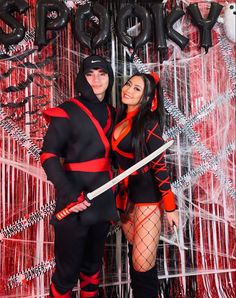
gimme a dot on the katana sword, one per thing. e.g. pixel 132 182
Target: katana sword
pixel 91 195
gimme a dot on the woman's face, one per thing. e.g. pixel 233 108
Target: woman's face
pixel 132 92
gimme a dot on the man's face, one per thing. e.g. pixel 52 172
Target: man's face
pixel 98 79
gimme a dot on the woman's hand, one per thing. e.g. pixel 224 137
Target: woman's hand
pixel 173 218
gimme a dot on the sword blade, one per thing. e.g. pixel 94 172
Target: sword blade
pixel 129 171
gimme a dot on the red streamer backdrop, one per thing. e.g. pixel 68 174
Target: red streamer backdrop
pixel 200 104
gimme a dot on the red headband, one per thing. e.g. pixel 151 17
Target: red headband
pixel 155 76
pixel 154 101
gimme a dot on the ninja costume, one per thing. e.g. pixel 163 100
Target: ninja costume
pixel 152 185
pixel 76 158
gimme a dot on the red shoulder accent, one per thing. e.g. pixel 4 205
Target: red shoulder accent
pixel 46 155
pixel 55 112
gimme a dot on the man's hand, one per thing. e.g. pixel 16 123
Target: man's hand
pixel 80 206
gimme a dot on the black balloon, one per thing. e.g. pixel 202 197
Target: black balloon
pixel 178 38
pixel 121 25
pixel 13 5
pixel 146 27
pixel 85 13
pixel 43 23
pixel 80 18
pixel 205 25
pixel 159 28
pixel 18 30
pixel 104 25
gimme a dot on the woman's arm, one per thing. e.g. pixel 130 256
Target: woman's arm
pixel 158 166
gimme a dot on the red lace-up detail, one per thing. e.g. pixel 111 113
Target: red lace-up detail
pixel 88 280
pixel 93 279
pixel 159 167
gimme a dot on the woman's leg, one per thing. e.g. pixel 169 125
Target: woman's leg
pixel 146 231
pixel 127 223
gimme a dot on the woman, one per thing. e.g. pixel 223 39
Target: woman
pixel 138 133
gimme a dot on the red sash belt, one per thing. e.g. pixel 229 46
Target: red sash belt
pixel 94 165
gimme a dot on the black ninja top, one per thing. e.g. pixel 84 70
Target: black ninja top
pixel 152 185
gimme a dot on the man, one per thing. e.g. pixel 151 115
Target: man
pixel 78 132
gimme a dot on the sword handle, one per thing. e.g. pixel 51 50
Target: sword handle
pixel 66 211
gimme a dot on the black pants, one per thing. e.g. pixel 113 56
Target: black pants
pixel 78 248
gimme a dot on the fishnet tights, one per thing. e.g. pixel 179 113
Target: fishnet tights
pixel 142 226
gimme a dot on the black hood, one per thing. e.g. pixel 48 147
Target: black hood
pixel 82 88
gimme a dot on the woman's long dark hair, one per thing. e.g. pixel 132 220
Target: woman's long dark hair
pixel 144 115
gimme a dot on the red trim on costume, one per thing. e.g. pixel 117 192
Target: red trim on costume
pixel 95 165
pixel 150 133
pixel 56 294
pixel 96 124
pixel 86 294
pixel 148 204
pixel 123 153
pixel 55 112
pixel 162 166
pixel 86 280
pixel 45 156
pixel 108 124
pixel 169 201
pixel 123 134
